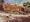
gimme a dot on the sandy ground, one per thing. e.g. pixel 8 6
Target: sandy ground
pixel 1 20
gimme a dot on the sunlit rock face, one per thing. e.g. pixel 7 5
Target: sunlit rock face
pixel 8 8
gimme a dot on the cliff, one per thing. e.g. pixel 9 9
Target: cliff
pixel 8 8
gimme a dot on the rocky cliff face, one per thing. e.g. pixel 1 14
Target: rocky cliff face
pixel 12 8
pixel 1 7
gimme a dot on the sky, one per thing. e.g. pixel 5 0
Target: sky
pixel 18 2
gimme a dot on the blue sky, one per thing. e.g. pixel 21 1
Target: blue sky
pixel 18 2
